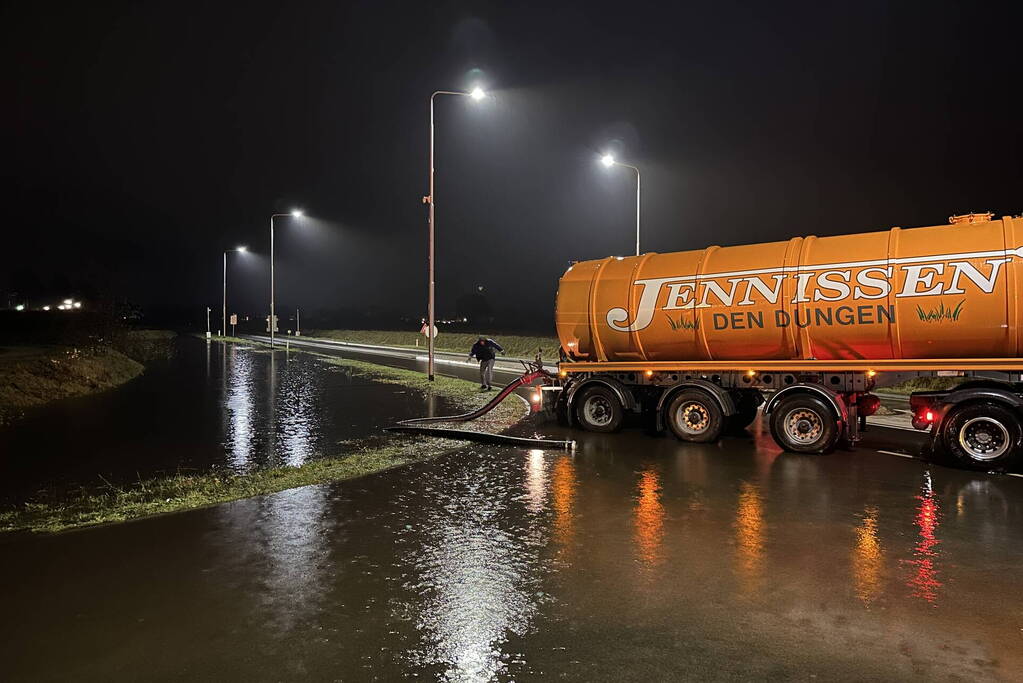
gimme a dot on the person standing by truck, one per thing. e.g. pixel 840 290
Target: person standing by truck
pixel 483 350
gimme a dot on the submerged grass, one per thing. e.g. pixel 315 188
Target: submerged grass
pixel 515 345
pixel 175 493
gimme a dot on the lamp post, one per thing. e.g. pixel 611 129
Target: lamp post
pixel 609 161
pixel 476 94
pixel 294 214
pixel 223 314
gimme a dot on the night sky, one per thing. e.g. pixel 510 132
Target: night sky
pixel 141 139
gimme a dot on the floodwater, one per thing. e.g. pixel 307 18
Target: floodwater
pixel 224 406
pixel 633 558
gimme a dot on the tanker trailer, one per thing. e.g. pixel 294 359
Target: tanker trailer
pixel 698 340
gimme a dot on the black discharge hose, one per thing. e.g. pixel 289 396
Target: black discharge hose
pixel 479 412
pixel 418 424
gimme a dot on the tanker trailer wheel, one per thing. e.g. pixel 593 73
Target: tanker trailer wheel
pixel 804 424
pixel 983 436
pixel 695 416
pixel 599 410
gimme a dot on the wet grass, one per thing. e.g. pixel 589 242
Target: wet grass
pixel 188 491
pixel 228 339
pixel 516 346
pixel 32 376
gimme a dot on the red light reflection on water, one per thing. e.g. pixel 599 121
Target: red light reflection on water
pixel 924 580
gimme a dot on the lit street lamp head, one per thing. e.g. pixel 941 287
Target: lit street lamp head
pixel 477 94
pixel 241 249
pixel 296 213
pixel 607 160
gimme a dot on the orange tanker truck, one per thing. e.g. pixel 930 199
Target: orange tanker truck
pixel 700 340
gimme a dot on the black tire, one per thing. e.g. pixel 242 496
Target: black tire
pixel 598 409
pixel 805 424
pixel 561 410
pixel 695 416
pixel 985 436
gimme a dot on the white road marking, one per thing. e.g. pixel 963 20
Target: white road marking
pixel 901 455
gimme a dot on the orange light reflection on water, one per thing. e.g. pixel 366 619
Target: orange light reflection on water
pixel 868 558
pixel 749 536
pixel 563 490
pixel 649 518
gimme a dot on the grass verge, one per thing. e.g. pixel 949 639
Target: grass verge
pixel 515 345
pixel 924 384
pixel 180 492
pixel 32 376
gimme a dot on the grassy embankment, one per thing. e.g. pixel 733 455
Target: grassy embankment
pixel 189 491
pixel 924 384
pixel 516 346
pixel 34 375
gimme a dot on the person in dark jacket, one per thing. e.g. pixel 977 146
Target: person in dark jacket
pixel 483 350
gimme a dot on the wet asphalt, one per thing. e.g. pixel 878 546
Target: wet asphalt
pixel 633 558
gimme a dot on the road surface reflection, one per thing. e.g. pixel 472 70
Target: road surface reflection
pixel 749 537
pixel 868 558
pixel 649 517
pixel 923 580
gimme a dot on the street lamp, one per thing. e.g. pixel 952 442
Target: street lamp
pixel 608 160
pixel 223 324
pixel 294 213
pixel 477 94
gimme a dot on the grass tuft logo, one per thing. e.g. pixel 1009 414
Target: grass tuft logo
pixel 940 313
pixel 683 323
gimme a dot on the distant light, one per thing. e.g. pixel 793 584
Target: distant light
pixel 477 94
pixel 78 304
pixel 649 373
pixel 20 307
pixel 242 249
pixel 607 160
pixel 67 302
pixel 46 308
pixel 297 213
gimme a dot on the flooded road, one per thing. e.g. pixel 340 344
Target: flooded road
pixel 635 558
pixel 224 406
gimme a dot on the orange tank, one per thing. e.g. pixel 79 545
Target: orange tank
pixel 949 291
